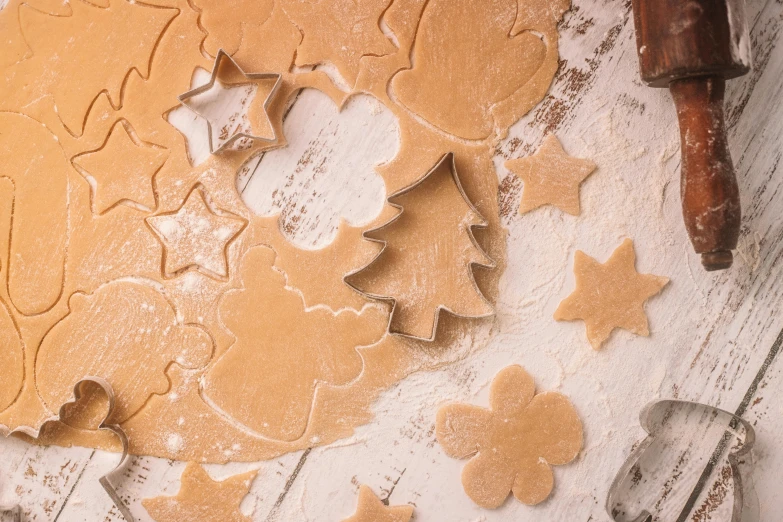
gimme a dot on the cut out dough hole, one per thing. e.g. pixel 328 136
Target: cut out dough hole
pixel 327 171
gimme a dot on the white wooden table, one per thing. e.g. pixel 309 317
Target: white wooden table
pixel 714 336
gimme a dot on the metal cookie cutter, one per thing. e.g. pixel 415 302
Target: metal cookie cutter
pixel 219 59
pixel 692 459
pixel 105 480
pixel 446 159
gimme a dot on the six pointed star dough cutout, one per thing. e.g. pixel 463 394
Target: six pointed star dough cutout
pixel 195 236
pixel 201 498
pixel 123 170
pixel 551 177
pixel 228 85
pixel 610 295
pixel 371 509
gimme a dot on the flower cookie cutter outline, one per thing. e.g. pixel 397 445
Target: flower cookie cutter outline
pixel 652 417
pixel 219 57
pixel 451 161
pixel 105 481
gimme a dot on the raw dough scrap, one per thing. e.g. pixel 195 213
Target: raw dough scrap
pixel 228 84
pixel 227 23
pixel 429 254
pixel 340 32
pixel 109 42
pixel 512 445
pixel 551 177
pixel 196 237
pixel 321 271
pixel 371 509
pixel 11 358
pixel 123 168
pixel 132 354
pixel 440 82
pixel 32 159
pixel 274 330
pixel 202 499
pixel 119 246
pixel 610 295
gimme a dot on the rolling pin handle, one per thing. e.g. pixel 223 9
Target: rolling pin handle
pixel 709 191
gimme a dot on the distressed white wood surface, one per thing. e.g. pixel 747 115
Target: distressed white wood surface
pixel 711 333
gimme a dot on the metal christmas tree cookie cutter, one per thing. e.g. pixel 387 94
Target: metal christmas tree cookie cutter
pixel 449 160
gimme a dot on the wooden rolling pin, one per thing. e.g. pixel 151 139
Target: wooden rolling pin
pixel 692 47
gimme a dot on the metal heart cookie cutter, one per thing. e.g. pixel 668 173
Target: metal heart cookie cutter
pixel 106 480
pixel 694 457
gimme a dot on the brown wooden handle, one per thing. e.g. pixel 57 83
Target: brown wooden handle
pixel 709 191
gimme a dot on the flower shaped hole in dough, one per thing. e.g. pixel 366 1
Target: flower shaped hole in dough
pixel 512 445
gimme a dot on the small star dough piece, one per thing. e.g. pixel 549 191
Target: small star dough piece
pixel 610 295
pixel 196 237
pixel 551 177
pixel 123 170
pixel 202 499
pixel 371 509
pixel 512 445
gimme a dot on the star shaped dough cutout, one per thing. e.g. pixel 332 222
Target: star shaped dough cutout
pixel 123 169
pixel 610 295
pixel 194 236
pixel 228 103
pixel 202 499
pixel 551 177
pixel 372 509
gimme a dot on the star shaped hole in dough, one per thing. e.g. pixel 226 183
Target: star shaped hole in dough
pixel 196 237
pixel 228 102
pixel 203 499
pixel 551 177
pixel 610 295
pixel 123 169
pixel 372 509
pixel 513 445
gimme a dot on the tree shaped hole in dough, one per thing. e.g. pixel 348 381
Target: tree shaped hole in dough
pixel 75 58
pixel 610 295
pixel 266 381
pixel 201 499
pixel 465 62
pixel 429 253
pixel 32 159
pixel 123 169
pixel 11 359
pixel 372 509
pixel 512 445
pixel 126 333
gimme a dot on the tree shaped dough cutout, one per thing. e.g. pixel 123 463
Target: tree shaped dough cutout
pixel 610 295
pixel 202 499
pixel 512 445
pixel 196 237
pixel 372 509
pixel 551 177
pixel 429 253
pixel 123 169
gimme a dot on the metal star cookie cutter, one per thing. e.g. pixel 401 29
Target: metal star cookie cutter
pixel 689 447
pixel 105 480
pixel 219 58
pixel 449 159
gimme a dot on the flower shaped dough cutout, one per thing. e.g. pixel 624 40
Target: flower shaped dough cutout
pixel 512 445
